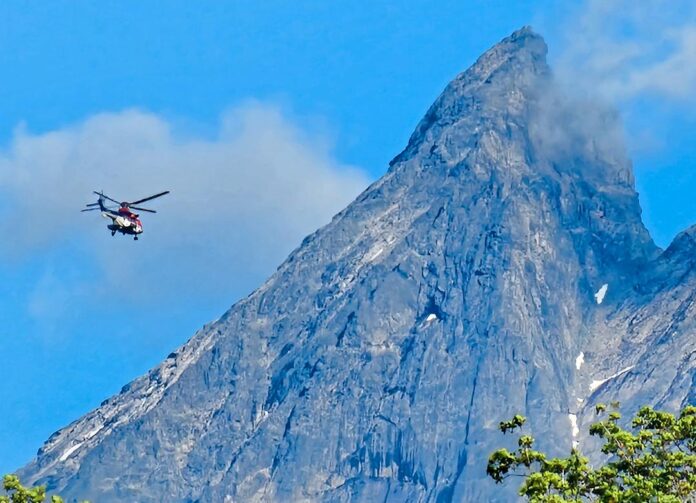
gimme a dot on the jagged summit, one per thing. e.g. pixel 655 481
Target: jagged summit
pixel 678 260
pixel 523 51
pixel 484 275
pixel 500 83
pixel 684 241
pixel 526 30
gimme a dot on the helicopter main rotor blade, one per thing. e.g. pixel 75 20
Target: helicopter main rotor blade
pixel 91 209
pixel 107 197
pixel 141 209
pixel 92 204
pixel 149 198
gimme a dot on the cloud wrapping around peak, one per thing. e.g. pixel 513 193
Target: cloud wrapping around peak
pixel 238 204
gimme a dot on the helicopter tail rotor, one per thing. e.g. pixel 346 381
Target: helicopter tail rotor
pixel 99 205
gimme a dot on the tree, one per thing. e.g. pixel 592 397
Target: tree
pixel 17 493
pixel 653 462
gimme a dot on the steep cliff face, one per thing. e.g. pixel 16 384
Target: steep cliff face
pixel 500 266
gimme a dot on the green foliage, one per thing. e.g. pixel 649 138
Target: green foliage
pixel 515 422
pixel 17 493
pixel 20 494
pixel 654 462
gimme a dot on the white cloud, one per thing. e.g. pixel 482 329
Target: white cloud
pixel 239 203
pixel 590 128
pixel 621 49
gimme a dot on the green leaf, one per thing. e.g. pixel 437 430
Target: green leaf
pixel 653 461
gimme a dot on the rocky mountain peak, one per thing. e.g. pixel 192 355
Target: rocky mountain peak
pixel 504 126
pixel 496 88
pixel 684 242
pixel 523 52
pixel 677 262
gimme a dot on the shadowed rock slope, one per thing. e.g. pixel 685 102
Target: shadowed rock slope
pixel 500 266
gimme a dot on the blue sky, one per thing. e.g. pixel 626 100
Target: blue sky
pixel 264 119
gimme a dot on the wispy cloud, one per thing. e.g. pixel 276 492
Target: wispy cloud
pixel 621 49
pixel 239 203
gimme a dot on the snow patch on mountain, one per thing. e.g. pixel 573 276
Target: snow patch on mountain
pixel 599 295
pixel 69 451
pixel 599 382
pixel 574 430
pixel 579 360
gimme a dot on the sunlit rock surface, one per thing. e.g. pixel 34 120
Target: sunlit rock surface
pixel 500 266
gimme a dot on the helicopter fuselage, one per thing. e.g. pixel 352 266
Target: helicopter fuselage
pixel 125 224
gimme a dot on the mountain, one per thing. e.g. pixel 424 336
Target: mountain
pixel 500 266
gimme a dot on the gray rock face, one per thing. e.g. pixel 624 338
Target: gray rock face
pixel 499 267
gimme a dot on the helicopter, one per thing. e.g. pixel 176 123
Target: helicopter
pixel 123 220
